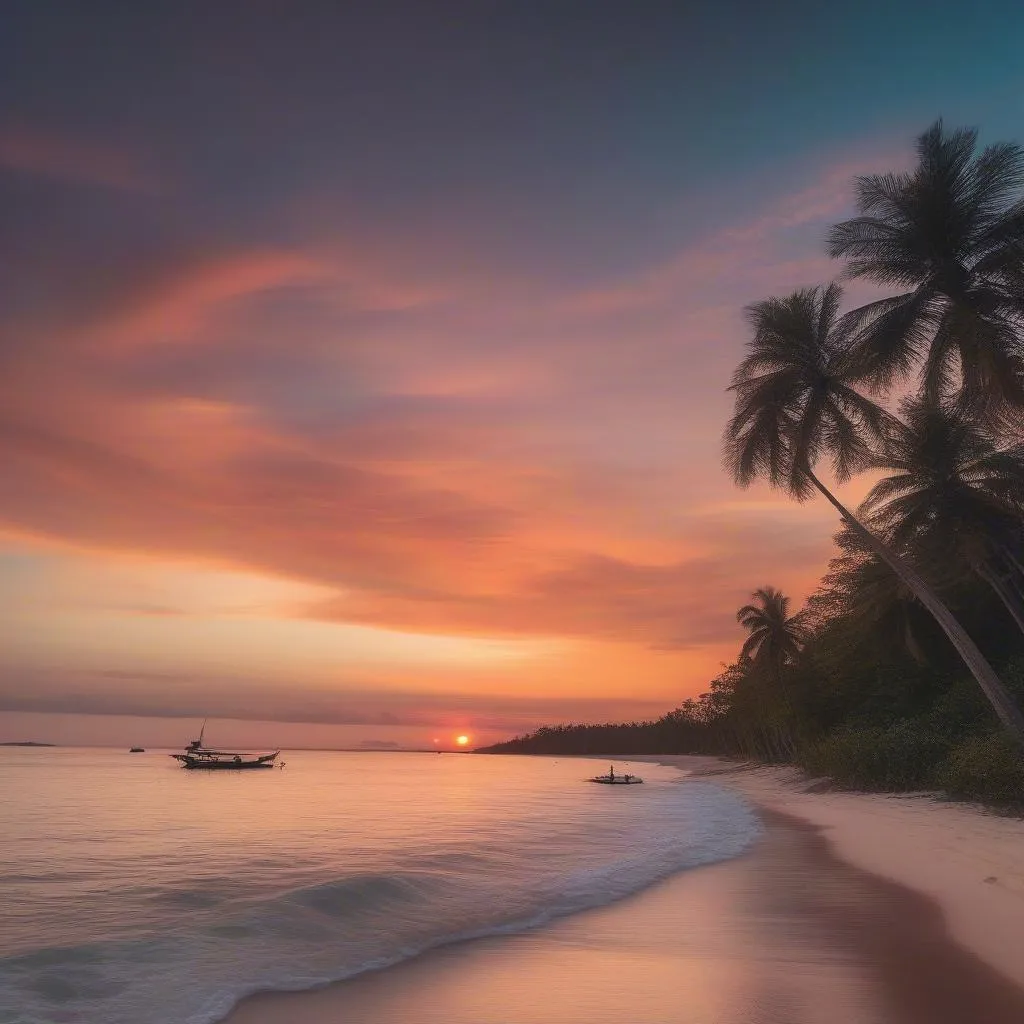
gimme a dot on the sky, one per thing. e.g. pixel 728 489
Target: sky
pixel 363 367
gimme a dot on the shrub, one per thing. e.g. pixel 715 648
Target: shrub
pixel 988 768
pixel 903 755
pixel 960 710
pixel 1012 675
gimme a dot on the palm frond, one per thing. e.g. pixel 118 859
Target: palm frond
pixel 889 339
pixel 954 490
pixel 997 178
pixel 795 400
pixel 951 234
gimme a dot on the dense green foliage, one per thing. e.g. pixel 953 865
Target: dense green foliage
pixel 905 670
pixel 859 707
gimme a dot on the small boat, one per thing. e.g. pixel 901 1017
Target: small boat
pixel 137 750
pixel 611 779
pixel 196 755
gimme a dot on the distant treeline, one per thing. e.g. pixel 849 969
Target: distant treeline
pixel 906 667
pixel 671 734
pixel 875 700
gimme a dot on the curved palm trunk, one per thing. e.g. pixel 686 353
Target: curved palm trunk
pixel 784 729
pixel 1006 594
pixel 1014 564
pixel 1009 714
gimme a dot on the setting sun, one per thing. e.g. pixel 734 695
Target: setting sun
pixel 462 740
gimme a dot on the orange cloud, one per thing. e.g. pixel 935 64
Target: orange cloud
pixel 407 554
pixel 439 458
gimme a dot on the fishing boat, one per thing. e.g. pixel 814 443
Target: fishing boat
pixel 611 779
pixel 196 755
pixel 137 750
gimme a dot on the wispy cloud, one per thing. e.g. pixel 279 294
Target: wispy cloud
pixel 175 309
pixel 779 249
pixel 437 456
pixel 75 160
pixel 161 695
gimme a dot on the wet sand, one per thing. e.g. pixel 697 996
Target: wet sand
pixel 786 934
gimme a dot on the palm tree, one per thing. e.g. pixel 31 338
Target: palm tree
pixel 774 641
pixel 795 405
pixel 775 637
pixel 953 491
pixel 950 235
pixel 861 591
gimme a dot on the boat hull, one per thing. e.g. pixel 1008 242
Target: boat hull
pixel 223 764
pixel 617 782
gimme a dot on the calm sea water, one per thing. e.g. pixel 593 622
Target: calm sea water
pixel 135 892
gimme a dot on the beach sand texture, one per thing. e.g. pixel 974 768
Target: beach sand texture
pixel 816 924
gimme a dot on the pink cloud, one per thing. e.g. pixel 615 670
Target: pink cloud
pixel 447 457
pixel 175 307
pixel 746 255
pixel 75 160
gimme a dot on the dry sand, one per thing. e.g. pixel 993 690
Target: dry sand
pixel 850 909
pixel 971 862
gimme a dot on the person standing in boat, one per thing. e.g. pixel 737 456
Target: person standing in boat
pixel 611 772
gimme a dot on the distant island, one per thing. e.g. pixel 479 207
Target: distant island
pixel 26 743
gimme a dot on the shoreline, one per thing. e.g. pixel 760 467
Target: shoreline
pixel 969 860
pixel 871 908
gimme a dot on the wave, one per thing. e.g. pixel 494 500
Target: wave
pixel 357 893
pixel 308 935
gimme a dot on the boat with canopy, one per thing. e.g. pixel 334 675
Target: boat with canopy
pixel 196 755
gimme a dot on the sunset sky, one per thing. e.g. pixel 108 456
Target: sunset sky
pixel 363 366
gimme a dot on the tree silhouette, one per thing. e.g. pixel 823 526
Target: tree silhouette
pixel 775 636
pixel 774 641
pixel 950 233
pixel 795 406
pixel 954 494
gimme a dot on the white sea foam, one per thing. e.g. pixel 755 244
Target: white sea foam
pixel 175 912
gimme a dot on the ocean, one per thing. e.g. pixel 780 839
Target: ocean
pixel 135 892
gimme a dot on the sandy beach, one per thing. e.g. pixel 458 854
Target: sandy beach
pixel 850 909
